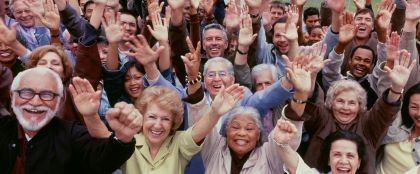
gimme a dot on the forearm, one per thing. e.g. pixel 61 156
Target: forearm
pixel 55 39
pixel 164 57
pixel 241 59
pixel 96 127
pixel 290 158
pixel 295 104
pixel 293 49
pixel 335 22
pixel 61 4
pixel 301 39
pixel 18 48
pixel 382 36
pixel 152 71
pixel 177 17
pixel 194 29
pixel 75 5
pixel 204 126
pixel 112 58
pixel 97 14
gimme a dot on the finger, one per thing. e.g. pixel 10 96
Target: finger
pixel 87 86
pixel 413 63
pixel 387 69
pixel 190 45
pixel 131 46
pixel 76 85
pixel 134 40
pixel 150 29
pixel 112 114
pixel 73 91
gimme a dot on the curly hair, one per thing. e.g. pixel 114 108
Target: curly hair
pixel 166 99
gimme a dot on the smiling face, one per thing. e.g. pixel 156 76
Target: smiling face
pixel 414 109
pixel 52 61
pixel 217 75
pixel 133 83
pixel 35 113
pixel 361 63
pixel 157 124
pixel 345 106
pixel 344 158
pixel 281 43
pixel 263 80
pixel 23 14
pixel 214 42
pixel 242 135
pixel 364 25
pixel 276 13
pixel 7 56
pixel 128 26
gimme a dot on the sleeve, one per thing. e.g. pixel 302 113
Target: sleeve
pixel 374 78
pixel 302 168
pixel 243 75
pixel 314 116
pixel 160 81
pixel 6 79
pixel 379 118
pixel 268 98
pixel 177 36
pixel 408 42
pixel 114 83
pixel 330 39
pixel 188 147
pixel 195 111
pixel 73 22
pixel 211 145
pixel 331 71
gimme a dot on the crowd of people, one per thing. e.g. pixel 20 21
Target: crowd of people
pixel 209 86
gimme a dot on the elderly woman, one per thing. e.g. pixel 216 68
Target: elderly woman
pixel 239 147
pixel 159 147
pixel 401 151
pixel 345 109
pixel 343 151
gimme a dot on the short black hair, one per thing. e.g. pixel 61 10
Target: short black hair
pixel 341 135
pixel 309 12
pixel 374 58
pixel 281 20
pixel 86 5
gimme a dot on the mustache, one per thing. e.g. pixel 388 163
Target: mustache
pixel 38 108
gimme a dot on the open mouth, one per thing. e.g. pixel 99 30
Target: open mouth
pixel 343 170
pixel 241 142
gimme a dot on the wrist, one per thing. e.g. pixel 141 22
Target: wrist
pixel 396 90
pixel 121 139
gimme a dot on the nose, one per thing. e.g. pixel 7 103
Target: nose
pixel 3 46
pixel 242 132
pixel 282 39
pixel 36 101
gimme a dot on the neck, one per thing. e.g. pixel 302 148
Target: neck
pixel 415 132
pixel 31 134
pixel 361 41
pixel 123 47
pixel 154 150
pixel 9 64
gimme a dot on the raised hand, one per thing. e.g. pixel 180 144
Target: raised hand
pixel 142 51
pixel 336 5
pixel 246 37
pixel 50 18
pixel 316 58
pixel 291 30
pixel 392 49
pixel 154 7
pixel 412 10
pixel 298 2
pixel 7 35
pixel 383 19
pixel 227 98
pixel 36 6
pixel 284 131
pixel 401 70
pixel 208 6
pixel 293 14
pixel 360 4
pixel 347 29
pixel 125 120
pixel 254 4
pixel 176 4
pixel 85 97
pixel 195 4
pixel 112 27
pixel 298 74
pixel 232 16
pixel 160 28
pixel 192 59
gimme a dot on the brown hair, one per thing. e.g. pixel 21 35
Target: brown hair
pixel 166 99
pixel 39 52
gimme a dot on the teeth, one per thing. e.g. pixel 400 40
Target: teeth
pixel 241 142
pixel 156 132
pixel 5 54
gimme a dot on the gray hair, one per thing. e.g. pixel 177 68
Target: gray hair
pixel 341 86
pixel 42 71
pixel 243 111
pixel 216 26
pixel 257 70
pixel 218 60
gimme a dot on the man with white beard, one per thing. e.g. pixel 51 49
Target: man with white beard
pixel 34 140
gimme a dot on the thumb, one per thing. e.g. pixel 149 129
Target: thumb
pixel 160 50
pixel 112 114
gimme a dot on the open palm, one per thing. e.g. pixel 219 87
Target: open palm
pixel 227 98
pixel 85 97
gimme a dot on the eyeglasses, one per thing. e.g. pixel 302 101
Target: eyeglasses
pixel 212 74
pixel 28 94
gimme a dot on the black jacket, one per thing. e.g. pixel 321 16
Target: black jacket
pixel 61 147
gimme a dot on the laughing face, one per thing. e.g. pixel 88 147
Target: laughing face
pixel 23 14
pixel 6 54
pixel 280 41
pixel 364 24
pixel 33 114
pixel 344 158
pixel 242 135
pixel 361 63
pixel 345 107
pixel 414 109
pixel 217 75
pixel 157 125
pixel 133 83
pixel 214 42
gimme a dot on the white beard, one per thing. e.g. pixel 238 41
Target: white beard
pixel 32 125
